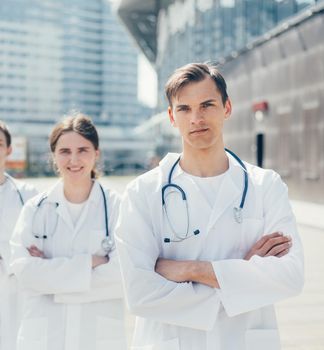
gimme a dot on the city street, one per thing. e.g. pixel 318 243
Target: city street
pixel 301 319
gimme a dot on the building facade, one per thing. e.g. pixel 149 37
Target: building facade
pixel 271 54
pixel 206 30
pixel 58 56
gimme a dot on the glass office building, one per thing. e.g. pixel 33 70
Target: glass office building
pixel 174 32
pixel 271 53
pixel 62 55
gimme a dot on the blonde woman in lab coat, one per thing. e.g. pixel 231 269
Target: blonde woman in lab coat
pixel 13 195
pixel 64 254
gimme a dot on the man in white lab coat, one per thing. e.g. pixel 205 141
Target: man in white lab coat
pixel 204 250
pixel 13 195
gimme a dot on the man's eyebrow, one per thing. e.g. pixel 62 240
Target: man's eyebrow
pixel 181 105
pixel 207 101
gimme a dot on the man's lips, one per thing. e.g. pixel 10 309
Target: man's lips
pixel 199 131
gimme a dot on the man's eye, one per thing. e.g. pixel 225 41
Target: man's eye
pixel 181 109
pixel 205 105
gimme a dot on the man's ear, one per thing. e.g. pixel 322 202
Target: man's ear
pixel 171 117
pixel 228 108
pixel 9 151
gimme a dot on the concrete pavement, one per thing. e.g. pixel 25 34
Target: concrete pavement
pixel 301 319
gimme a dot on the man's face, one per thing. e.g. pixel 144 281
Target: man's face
pixel 198 112
pixel 4 151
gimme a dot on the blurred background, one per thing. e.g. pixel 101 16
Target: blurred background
pixel 111 59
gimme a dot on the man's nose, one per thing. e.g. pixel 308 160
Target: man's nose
pixel 197 116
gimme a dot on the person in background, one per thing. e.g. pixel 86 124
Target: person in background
pixel 64 253
pixel 13 195
pixel 207 243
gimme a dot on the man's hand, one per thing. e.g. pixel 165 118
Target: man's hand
pixel 187 271
pixel 172 270
pixel 274 244
pixel 35 252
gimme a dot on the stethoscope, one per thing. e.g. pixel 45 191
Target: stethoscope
pixel 106 244
pixel 237 211
pixel 16 188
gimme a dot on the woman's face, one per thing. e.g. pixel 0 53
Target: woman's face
pixel 75 157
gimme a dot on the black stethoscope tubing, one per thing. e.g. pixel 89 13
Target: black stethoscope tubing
pixel 106 243
pixel 236 210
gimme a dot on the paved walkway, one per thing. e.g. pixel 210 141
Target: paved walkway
pixel 301 319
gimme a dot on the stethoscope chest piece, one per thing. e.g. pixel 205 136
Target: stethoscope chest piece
pixel 107 244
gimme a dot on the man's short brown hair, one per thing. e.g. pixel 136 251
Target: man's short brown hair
pixel 194 72
pixel 5 130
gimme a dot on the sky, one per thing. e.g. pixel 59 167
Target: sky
pixel 147 82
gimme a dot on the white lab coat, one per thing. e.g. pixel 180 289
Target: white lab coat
pixel 192 316
pixel 69 306
pixel 10 298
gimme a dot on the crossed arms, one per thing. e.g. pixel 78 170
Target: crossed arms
pixel 275 244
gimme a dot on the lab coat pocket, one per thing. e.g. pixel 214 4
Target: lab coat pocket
pixel 32 334
pixel 265 339
pixel 110 334
pixel 172 344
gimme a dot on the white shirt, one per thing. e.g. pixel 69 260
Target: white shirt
pixel 75 210
pixel 209 186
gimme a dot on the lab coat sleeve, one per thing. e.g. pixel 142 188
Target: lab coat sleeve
pixel 148 294
pixel 105 284
pixel 261 281
pixel 5 252
pixel 105 279
pixel 27 192
pixel 46 276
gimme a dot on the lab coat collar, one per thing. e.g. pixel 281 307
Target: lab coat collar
pixel 167 162
pixel 13 182
pixel 230 190
pixel 56 195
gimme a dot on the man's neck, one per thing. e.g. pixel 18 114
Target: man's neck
pixel 204 163
pixel 2 177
